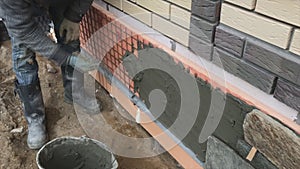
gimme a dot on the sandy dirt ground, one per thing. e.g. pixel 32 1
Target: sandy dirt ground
pixel 61 120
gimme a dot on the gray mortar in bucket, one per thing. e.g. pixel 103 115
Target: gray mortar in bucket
pixel 75 153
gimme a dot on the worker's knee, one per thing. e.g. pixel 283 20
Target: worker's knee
pixel 25 65
pixel 26 73
pixel 24 62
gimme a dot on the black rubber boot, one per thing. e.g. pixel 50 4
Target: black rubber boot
pixel 67 75
pixel 74 90
pixel 34 110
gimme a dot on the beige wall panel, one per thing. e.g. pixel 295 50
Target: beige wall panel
pixel 184 3
pixel 157 6
pixel 285 10
pixel 261 27
pixel 137 12
pixel 180 16
pixel 249 4
pixel 170 29
pixel 295 46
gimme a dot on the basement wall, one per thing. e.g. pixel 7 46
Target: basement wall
pixel 264 35
pixel 261 37
pixel 253 43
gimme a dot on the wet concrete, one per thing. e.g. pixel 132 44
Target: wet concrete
pixel 230 128
pixel 75 154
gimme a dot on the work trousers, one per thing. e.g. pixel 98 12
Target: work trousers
pixel 24 59
pixel 3 33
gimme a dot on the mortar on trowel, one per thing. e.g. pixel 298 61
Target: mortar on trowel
pixel 75 153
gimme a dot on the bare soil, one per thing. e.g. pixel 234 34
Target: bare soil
pixel 61 120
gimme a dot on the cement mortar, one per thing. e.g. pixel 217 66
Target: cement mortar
pixel 230 128
pixel 75 154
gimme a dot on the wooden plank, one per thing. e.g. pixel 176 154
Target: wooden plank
pixel 251 154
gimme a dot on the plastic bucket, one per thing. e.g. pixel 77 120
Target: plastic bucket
pixel 75 153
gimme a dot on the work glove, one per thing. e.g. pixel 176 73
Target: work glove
pixel 83 62
pixel 69 30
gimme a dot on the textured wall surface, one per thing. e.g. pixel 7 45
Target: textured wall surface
pixel 264 34
pixel 259 160
pixel 256 40
pixel 272 65
pixel 278 143
pixel 220 156
pixel 287 10
pixel 170 17
pixel 230 127
pixel 256 25
pixel 267 37
pixel 248 4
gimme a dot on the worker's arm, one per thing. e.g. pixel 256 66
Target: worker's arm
pixel 77 9
pixel 19 21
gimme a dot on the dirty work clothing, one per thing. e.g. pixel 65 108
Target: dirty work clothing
pixel 24 62
pixel 28 36
pixel 24 59
pixel 18 17
pixel 3 32
pixel 34 111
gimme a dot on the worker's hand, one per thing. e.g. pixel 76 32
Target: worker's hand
pixel 69 30
pixel 83 62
